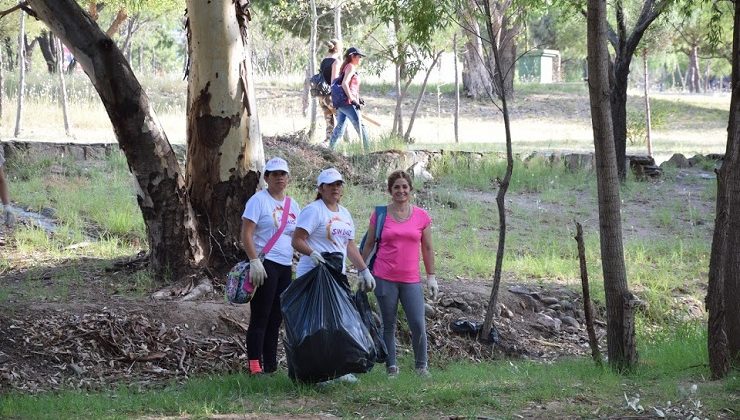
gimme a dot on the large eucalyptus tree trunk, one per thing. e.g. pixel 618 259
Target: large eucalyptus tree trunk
pixel 225 152
pixel 161 192
pixel 619 301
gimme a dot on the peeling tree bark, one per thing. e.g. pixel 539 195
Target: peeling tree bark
pixel 161 192
pixel 225 152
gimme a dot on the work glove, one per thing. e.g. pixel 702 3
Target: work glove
pixel 257 273
pixel 367 281
pixel 9 217
pixel 432 286
pixel 356 104
pixel 362 101
pixel 317 258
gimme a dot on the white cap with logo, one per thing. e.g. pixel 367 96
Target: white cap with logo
pixel 329 176
pixel 276 164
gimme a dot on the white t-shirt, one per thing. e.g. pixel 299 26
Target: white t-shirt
pixel 328 231
pixel 266 213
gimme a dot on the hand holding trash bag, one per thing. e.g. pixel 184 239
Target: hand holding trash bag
pixel 367 281
pixel 317 258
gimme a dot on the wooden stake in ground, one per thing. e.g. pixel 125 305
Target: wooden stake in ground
pixel 587 306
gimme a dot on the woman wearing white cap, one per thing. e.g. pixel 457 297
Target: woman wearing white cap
pixel 327 226
pixel 261 222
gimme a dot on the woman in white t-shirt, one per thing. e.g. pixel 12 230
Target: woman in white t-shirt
pixel 326 226
pixel 260 221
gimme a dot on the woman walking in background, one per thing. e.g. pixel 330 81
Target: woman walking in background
pixel 405 231
pixel 350 109
pixel 262 222
pixel 329 68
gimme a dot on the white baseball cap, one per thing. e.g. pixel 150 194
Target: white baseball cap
pixel 329 176
pixel 276 164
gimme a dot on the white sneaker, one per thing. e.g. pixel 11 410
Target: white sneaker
pixel 349 378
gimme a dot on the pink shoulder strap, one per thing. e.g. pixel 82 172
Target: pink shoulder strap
pixel 283 222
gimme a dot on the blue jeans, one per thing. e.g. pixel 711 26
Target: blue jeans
pixel 355 117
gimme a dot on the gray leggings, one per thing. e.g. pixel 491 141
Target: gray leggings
pixel 412 300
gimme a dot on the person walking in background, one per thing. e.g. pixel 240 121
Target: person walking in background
pixel 405 231
pixel 261 222
pixel 329 68
pixel 8 215
pixel 349 81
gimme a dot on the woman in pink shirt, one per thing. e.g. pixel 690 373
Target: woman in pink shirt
pixel 406 233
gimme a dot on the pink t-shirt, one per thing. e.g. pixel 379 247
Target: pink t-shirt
pixel 397 258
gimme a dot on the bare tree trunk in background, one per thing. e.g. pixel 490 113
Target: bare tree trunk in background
pixel 29 52
pixel 407 136
pixel 692 74
pixel 312 69
pixel 399 65
pixel 47 45
pixel 619 301
pixel 723 293
pixel 121 17
pixel 648 125
pixel 131 27
pixel 160 186
pixel 338 21
pixel 457 91
pixel 2 84
pixel 498 76
pixel 707 75
pixel 21 74
pixel 225 155
pixel 62 85
pixel 476 80
pixel 681 77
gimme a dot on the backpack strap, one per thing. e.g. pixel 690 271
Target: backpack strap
pixel 380 213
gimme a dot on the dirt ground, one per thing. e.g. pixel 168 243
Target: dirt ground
pixel 101 330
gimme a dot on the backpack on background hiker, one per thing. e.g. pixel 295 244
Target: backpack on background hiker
pixel 380 213
pixel 338 96
pixel 239 287
pixel 319 87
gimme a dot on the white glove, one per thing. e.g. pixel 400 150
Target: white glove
pixel 257 273
pixel 9 217
pixel 317 258
pixel 432 286
pixel 367 281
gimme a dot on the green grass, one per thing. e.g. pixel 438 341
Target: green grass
pixel 671 360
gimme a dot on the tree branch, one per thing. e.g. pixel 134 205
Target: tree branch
pixel 4 13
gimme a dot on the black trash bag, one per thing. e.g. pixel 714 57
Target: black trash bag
pixel 473 329
pixel 465 327
pixel 324 335
pixel 373 325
